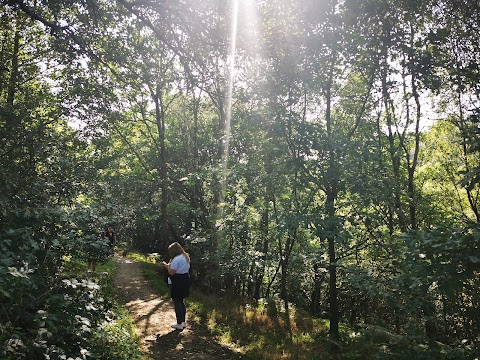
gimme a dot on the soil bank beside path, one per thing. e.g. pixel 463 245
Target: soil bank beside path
pixel 153 314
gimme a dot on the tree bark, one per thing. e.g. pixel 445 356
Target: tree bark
pixel 462 127
pixel 264 250
pixel 162 164
pixel 317 288
pixel 331 196
pixel 393 149
pixel 12 84
pixel 412 165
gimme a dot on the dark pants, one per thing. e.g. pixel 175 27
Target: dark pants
pixel 180 309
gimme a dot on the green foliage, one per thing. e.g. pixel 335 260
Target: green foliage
pixel 326 167
pixel 374 342
pixel 429 269
pixel 258 330
pixel 85 239
pixel 44 170
pixel 115 338
pixel 76 319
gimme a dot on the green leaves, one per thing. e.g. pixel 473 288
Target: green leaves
pixel 323 152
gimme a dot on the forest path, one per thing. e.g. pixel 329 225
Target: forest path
pixel 153 314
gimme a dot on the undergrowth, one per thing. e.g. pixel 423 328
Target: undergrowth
pixel 258 330
pixel 114 337
pixel 79 319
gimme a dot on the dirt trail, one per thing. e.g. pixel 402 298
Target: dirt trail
pixel 153 316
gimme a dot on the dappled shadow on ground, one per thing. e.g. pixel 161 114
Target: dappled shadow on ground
pixel 130 282
pixel 153 314
pixel 189 344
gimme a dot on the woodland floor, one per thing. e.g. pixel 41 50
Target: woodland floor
pixel 153 314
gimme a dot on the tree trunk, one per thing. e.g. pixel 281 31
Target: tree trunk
pixel 462 127
pixel 162 164
pixel 332 270
pixel 331 194
pixel 412 165
pixel 264 250
pixel 317 288
pixel 12 84
pixel 393 150
pixel 197 212
pixel 285 261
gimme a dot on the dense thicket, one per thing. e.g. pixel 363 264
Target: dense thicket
pixel 325 153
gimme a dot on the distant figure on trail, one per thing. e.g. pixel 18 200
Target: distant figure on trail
pixel 179 281
pixel 110 235
pixel 92 264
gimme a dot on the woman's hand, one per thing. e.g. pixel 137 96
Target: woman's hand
pixel 170 271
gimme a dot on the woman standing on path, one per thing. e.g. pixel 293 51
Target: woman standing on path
pixel 178 269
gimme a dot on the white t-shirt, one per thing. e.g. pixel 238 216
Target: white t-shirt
pixel 180 264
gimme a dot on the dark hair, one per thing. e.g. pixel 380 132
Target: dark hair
pixel 176 249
